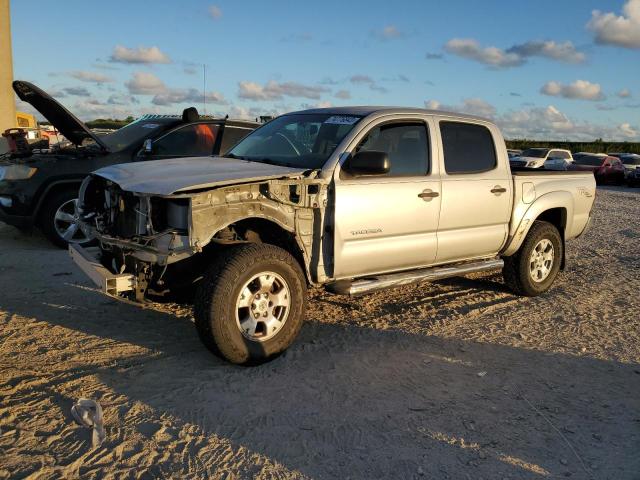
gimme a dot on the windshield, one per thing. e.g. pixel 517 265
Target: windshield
pixel 535 152
pixel 130 134
pixel 299 140
pixel 630 159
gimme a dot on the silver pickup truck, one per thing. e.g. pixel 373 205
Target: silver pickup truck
pixel 352 199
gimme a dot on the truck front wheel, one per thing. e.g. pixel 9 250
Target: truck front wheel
pixel 533 268
pixel 250 305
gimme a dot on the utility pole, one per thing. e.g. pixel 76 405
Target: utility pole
pixel 204 88
pixel 7 98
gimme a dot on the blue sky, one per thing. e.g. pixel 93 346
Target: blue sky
pixel 565 69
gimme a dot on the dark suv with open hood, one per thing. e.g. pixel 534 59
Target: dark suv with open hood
pixel 39 187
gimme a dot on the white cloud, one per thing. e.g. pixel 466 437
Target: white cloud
pixel 389 32
pixel 77 91
pixel 187 95
pixel 241 112
pixel 472 106
pixel 580 89
pixel 513 56
pixel 492 56
pixel 628 131
pixel 122 99
pixel 562 52
pixel 622 30
pixel 549 123
pixel 91 77
pixel 277 90
pixel 138 55
pixel 145 83
pixel 297 38
pixel 360 79
pixel 215 12
pixel 343 94
pixel 624 93
pixel 544 123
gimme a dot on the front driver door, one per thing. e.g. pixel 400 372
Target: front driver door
pixel 386 223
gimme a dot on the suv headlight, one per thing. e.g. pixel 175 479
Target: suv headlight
pixel 16 172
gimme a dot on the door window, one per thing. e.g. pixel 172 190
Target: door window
pixel 196 140
pixel 407 146
pixel 231 136
pixel 468 148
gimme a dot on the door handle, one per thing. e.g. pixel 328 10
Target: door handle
pixel 498 189
pixel 427 195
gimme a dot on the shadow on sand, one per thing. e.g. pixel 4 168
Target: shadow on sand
pixel 355 401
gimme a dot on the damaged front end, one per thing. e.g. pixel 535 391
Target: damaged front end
pixel 162 242
pixel 139 234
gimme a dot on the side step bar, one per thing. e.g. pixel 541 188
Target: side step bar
pixel 381 282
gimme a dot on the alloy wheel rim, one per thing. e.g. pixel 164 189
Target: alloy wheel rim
pixel 263 306
pixel 67 223
pixel 541 260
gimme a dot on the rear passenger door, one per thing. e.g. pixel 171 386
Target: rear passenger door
pixel 476 192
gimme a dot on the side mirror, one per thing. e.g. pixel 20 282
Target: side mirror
pixel 147 147
pixel 367 163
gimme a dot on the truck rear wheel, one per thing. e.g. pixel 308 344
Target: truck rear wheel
pixel 250 305
pixel 533 268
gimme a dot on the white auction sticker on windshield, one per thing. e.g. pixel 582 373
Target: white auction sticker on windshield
pixel 150 125
pixel 341 120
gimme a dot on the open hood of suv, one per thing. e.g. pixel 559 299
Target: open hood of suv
pixel 61 118
pixel 165 177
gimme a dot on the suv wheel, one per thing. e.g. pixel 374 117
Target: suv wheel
pixel 533 268
pixel 59 220
pixel 250 305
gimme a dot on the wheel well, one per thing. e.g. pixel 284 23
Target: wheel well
pixel 555 216
pixel 53 190
pixel 558 218
pixel 258 230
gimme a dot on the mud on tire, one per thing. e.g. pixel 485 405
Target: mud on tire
pixel 533 268
pixel 251 329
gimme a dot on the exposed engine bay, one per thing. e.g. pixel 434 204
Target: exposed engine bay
pixel 147 235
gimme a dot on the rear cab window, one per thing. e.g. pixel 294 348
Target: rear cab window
pixel 468 148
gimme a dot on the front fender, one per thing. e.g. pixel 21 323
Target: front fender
pixel 545 202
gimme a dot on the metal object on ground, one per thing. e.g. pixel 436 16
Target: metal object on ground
pixel 88 413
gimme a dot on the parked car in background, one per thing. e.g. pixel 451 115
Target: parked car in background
pixel 513 153
pixel 633 178
pixel 40 187
pixel 606 169
pixel 631 163
pixel 548 158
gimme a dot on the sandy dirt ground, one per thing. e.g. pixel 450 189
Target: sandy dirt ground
pixel 458 379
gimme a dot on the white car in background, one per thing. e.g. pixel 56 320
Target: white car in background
pixel 549 158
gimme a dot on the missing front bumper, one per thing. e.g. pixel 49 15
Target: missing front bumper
pixel 109 283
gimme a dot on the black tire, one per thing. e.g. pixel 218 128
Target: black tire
pixel 517 268
pixel 216 311
pixel 48 213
